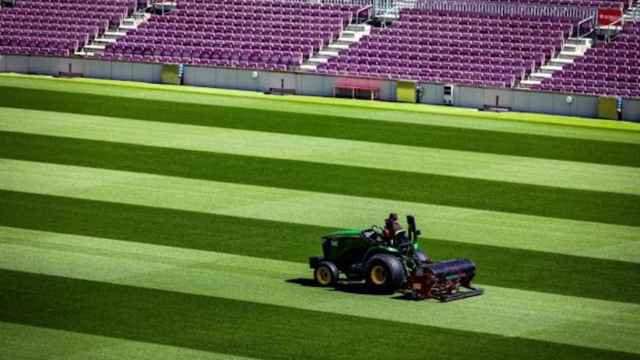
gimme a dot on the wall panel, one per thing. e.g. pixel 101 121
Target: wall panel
pixel 42 65
pixel 98 69
pixel 17 64
pixel 468 97
pixel 631 110
pixel 142 72
pixel 121 71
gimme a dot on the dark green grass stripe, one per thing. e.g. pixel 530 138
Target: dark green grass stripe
pixel 249 329
pixel 327 126
pixel 505 267
pixel 613 208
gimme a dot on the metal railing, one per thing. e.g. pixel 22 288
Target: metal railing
pixel 9 3
pixel 393 7
pixel 613 29
pixel 591 22
pixel 508 8
pixel 336 2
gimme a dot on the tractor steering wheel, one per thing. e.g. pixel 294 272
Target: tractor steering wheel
pixel 378 230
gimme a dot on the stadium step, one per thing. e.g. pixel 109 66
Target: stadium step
pixel 549 69
pixel 113 34
pixel 349 36
pixel 104 40
pixel 526 84
pixel 94 47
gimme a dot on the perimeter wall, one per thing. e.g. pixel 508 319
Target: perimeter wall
pixel 313 85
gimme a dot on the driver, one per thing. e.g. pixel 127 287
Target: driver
pixel 391 226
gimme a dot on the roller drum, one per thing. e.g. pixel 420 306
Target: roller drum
pixel 459 269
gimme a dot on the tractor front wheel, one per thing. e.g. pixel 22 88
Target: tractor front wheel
pixel 326 273
pixel 385 273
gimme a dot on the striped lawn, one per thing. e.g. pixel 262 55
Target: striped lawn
pixel 555 173
pixel 246 328
pixel 284 121
pixel 572 204
pixel 30 342
pixel 555 273
pixel 140 222
pixel 539 124
pixel 603 325
pixel 579 238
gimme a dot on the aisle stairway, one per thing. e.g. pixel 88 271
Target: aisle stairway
pixel 573 48
pixel 112 35
pixel 352 34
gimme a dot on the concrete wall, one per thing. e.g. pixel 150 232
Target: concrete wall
pixel 313 85
pixel 432 94
pixel 303 84
pixel 517 100
pixel 89 68
pixel 631 110
pixel 18 64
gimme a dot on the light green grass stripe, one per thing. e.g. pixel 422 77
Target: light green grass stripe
pixel 25 342
pixel 604 241
pixel 561 319
pixel 418 114
pixel 556 173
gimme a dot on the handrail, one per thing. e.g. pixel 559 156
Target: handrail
pixel 608 37
pixel 507 8
pixel 593 20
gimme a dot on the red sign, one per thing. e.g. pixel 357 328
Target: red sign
pixel 609 16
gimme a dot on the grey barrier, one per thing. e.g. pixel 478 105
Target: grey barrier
pixel 315 85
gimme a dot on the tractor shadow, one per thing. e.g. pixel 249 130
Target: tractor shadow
pixel 343 286
pixel 351 287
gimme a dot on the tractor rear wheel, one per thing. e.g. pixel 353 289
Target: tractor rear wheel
pixel 326 273
pixel 385 273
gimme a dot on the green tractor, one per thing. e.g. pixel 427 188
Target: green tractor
pixel 390 263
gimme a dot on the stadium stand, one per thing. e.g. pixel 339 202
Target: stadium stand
pixel 54 28
pixel 481 49
pixel 502 49
pixel 282 34
pixel 610 69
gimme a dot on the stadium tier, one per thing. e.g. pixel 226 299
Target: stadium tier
pixel 49 27
pixel 282 34
pixel 456 47
pixel 610 69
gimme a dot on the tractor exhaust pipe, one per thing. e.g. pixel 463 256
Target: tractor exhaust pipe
pixel 413 231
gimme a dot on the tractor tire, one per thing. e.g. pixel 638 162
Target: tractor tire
pixel 326 273
pixel 385 273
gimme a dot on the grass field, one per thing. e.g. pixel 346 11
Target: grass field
pixel 155 222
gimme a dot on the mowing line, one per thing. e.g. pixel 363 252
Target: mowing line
pixel 555 173
pixel 602 324
pixel 613 242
